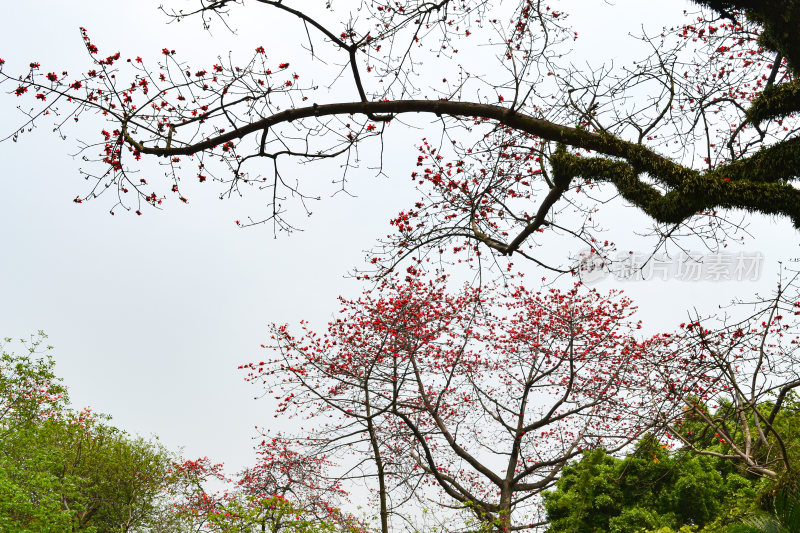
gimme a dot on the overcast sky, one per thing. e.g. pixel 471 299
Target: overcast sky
pixel 151 315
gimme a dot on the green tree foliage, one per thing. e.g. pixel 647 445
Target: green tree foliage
pixel 29 390
pixel 784 518
pixel 648 490
pixel 698 488
pixel 63 470
pixel 720 432
pixel 780 509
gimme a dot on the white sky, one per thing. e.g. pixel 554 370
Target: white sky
pixel 151 315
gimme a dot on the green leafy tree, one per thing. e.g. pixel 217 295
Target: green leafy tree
pixel 65 470
pixel 718 432
pixel 650 489
pixel 29 394
pixel 785 518
pixel 780 509
pixel 29 390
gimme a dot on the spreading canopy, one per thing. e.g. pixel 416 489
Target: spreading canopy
pixel 483 394
pixel 529 146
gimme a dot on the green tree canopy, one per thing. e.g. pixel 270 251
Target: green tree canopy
pixel 64 470
pixel 650 489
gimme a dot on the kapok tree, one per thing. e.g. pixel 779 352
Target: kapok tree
pixel 529 146
pixel 283 491
pixel 486 393
pixel 284 474
pixel 749 359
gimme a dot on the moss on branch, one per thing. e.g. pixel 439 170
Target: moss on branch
pixel 698 191
pixel 776 101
